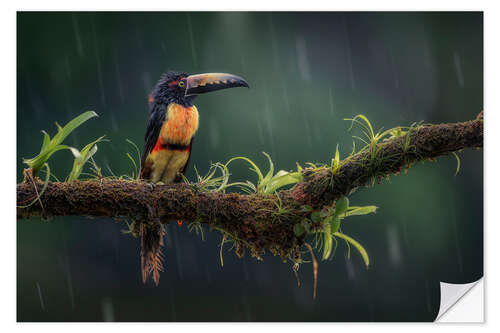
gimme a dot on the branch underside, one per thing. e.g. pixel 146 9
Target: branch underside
pixel 252 220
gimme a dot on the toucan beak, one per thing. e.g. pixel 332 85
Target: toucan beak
pixel 203 83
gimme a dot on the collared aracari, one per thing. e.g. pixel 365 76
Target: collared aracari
pixel 173 121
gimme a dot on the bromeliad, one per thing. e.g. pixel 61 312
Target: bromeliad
pixel 172 124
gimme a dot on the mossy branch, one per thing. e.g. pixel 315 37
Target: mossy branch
pixel 253 221
pixel 372 164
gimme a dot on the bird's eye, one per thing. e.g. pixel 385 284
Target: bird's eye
pixel 181 84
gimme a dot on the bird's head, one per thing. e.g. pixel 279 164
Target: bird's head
pixel 181 88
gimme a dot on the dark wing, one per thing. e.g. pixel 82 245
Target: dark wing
pixel 184 169
pixel 155 122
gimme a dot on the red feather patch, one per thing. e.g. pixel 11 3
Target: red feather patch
pixel 160 146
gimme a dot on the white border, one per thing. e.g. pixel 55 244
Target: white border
pixel 8 135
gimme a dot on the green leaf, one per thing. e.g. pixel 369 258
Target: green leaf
pixel 458 162
pixel 367 126
pixel 327 242
pixel 357 245
pixel 136 150
pixel 50 146
pixel 324 212
pixel 282 178
pixel 307 225
pixel 132 161
pixel 76 153
pixel 71 126
pixel 341 206
pixel 298 229
pixel 336 161
pixel 249 161
pixel 82 157
pixel 36 163
pixel 337 154
pixel 270 173
pixel 306 208
pixel 354 210
pixel 335 224
pixel 315 217
pixel 46 140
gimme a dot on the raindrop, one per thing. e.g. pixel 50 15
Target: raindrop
pixel 147 82
pixel 308 131
pixel 405 234
pixel 458 69
pixel 65 268
pixel 260 131
pixel 261 274
pixel 98 61
pixel 455 233
pixel 285 95
pixel 172 305
pixel 67 67
pixel 274 45
pixel 268 121
pixel 78 39
pixel 302 60
pixel 191 40
pixel 164 48
pixel 34 98
pixel 245 270
pixel 394 245
pixel 277 63
pixel 108 313
pixel 114 123
pixel 214 133
pixel 40 296
pixel 168 236
pixel 70 282
pixel 331 100
pixel 350 268
pixel 177 251
pixel 393 68
pixel 207 274
pixel 246 304
pixel 302 295
pixel 119 83
pixel 349 60
pixel 190 258
pixel 317 134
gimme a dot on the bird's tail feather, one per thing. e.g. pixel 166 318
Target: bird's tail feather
pixel 151 255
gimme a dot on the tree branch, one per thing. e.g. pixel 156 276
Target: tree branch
pixel 253 220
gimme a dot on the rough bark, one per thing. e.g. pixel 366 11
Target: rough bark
pixel 253 221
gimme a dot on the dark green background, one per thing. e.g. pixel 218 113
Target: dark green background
pixel 307 71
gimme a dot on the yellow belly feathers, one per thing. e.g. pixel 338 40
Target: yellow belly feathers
pixel 179 127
